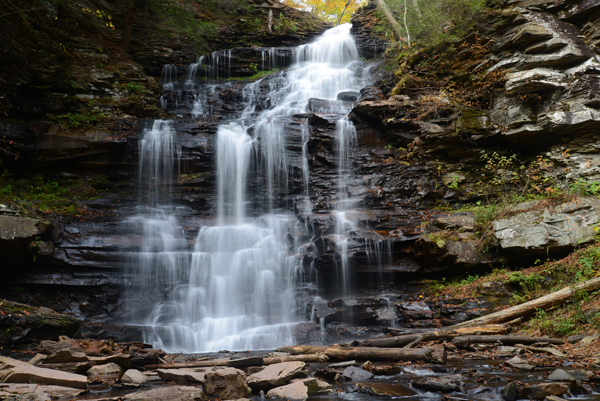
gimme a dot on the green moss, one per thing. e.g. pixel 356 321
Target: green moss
pixel 256 76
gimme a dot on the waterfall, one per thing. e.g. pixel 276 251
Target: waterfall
pixel 168 77
pixel 234 286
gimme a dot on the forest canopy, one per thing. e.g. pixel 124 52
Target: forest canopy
pixel 327 10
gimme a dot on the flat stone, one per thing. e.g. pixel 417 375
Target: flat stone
pixel 356 374
pixel 63 356
pixel 587 340
pixel 71 367
pixel 292 392
pixel 575 339
pixel 106 371
pixel 382 370
pixel 504 349
pixel 133 376
pixel 385 389
pixel 543 390
pixel 183 375
pixel 520 364
pixel 300 389
pixel 316 386
pixel 227 384
pixel 274 375
pixel 13 371
pixel 123 360
pixel 35 392
pixel 174 393
pixel 437 384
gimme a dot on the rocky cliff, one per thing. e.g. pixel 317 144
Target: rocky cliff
pixel 440 129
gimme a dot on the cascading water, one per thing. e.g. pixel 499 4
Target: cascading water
pixel 235 286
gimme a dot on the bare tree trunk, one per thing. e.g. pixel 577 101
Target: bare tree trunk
pixel 390 17
pixel 436 354
pixel 418 9
pixel 311 358
pixel 529 308
pixel 343 11
pixel 406 24
pixel 434 335
pixel 128 25
pixel 464 341
pixel 270 22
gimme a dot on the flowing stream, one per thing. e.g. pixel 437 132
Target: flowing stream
pixel 234 286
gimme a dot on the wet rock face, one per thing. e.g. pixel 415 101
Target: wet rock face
pixel 370 46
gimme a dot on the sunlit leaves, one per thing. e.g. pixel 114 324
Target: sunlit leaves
pixel 328 10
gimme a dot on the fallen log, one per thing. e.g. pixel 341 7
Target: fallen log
pixel 529 308
pixel 436 354
pixel 464 341
pixel 435 335
pixel 314 358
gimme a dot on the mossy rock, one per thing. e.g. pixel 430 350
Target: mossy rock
pixel 20 323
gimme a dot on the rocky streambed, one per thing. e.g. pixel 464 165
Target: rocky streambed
pixel 547 369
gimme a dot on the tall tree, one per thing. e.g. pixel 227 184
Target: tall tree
pixel 390 17
pixel 128 24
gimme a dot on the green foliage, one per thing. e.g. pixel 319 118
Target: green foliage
pixel 433 22
pixel 584 188
pixel 180 17
pixel 470 279
pixel 44 194
pixel 529 282
pixel 134 87
pixel 74 120
pixel 255 77
pixel 566 320
pixel 283 25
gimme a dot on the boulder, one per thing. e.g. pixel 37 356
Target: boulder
pixel 175 393
pixel 133 376
pixel 107 371
pixel 509 393
pixel 274 375
pixel 13 371
pixel 560 375
pixel 349 96
pixel 542 390
pixel 226 384
pixel 356 374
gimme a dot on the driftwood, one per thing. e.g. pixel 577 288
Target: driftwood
pixel 464 341
pixel 436 354
pixel 315 358
pixel 410 340
pixel 529 308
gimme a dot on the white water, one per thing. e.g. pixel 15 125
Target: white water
pixel 235 287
